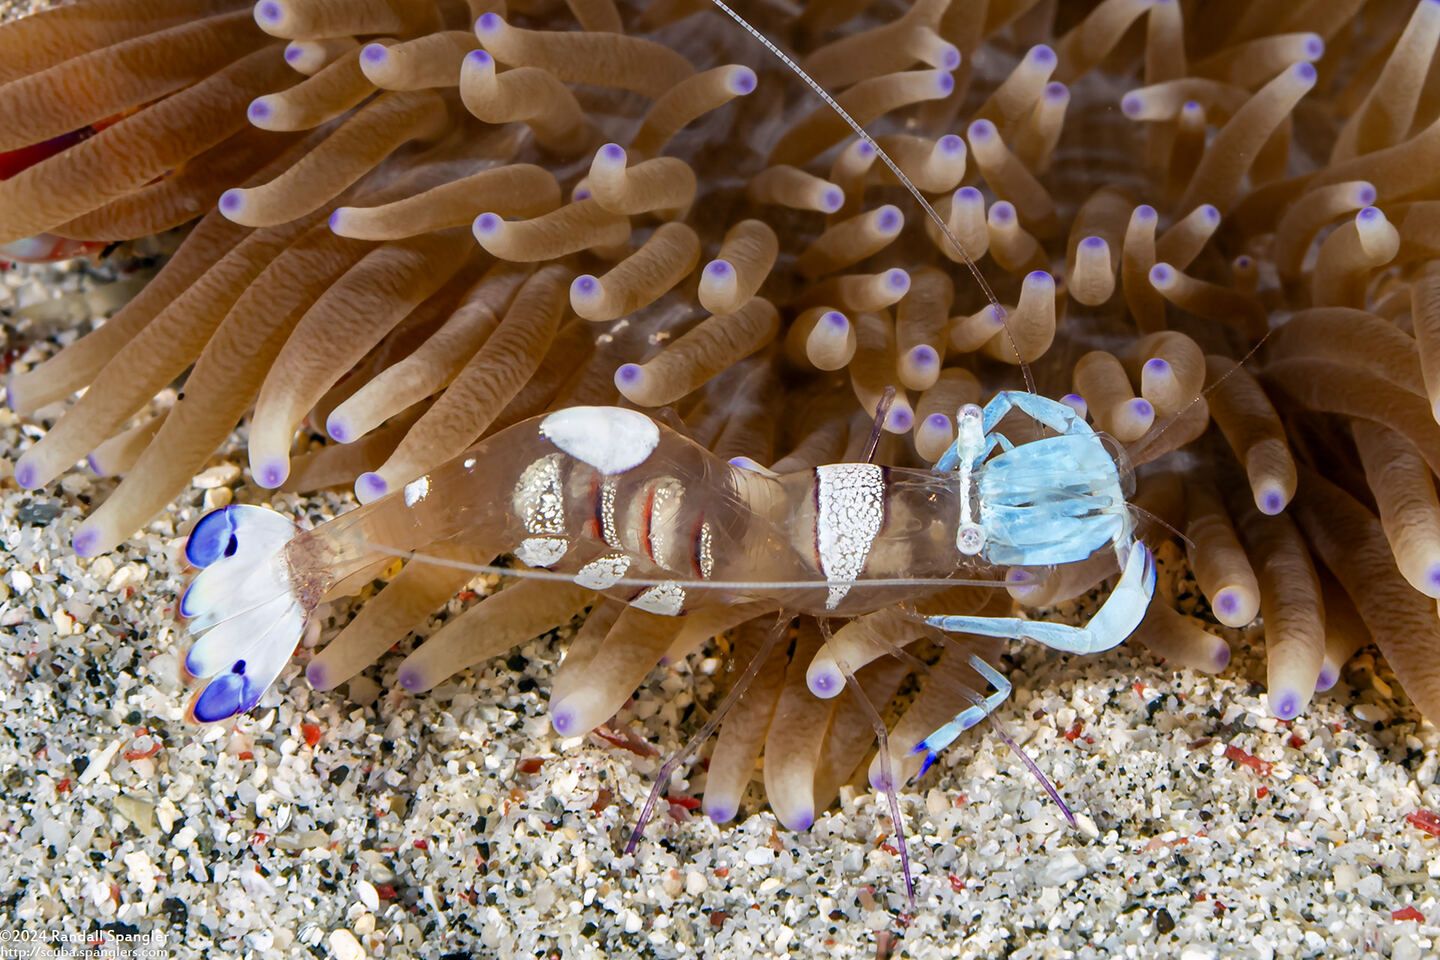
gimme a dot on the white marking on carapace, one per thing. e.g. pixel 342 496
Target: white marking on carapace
pixel 602 573
pixel 610 439
pixel 416 490
pixel 605 514
pixel 664 510
pixel 541 551
pixel 704 550
pixel 538 499
pixel 849 511
pixel 665 599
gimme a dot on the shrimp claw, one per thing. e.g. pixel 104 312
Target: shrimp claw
pixel 1116 619
pixel 967 718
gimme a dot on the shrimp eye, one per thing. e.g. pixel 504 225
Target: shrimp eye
pixel 970 539
pixel 970 412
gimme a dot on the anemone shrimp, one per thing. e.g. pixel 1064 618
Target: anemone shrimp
pixel 615 502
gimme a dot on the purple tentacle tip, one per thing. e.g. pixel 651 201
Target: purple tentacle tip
pixel 338 429
pixel 411 679
pixel 900 419
pixel 1227 603
pixel 86 542
pixel 271 473
pixel 1210 213
pixel 720 813
pixel 231 201
pixel 1157 367
pixel 718 269
pixel 335 219
pixel 950 143
pixel 937 421
pixel 1287 705
pixel 1366 194
pixel 1145 212
pixel 629 373
pixel 25 474
pixel 742 81
pixel 292 54
pixel 563 720
pixel 802 821
pixel 1314 47
pixel 1326 680
pixel 945 83
pixel 488 23
pixel 969 195
pixel 865 149
pixel 951 59
pixel 268 11
pixel 1222 657
pixel 1056 90
pixel 879 781
pixel 1042 54
pixel 1142 407
pixel 258 109
pixel 924 356
pixel 581 193
pixel 478 58
pixel 832 199
pixel 487 223
pixel 1093 243
pixel 897 279
pixel 1304 71
pixel 981 130
pixel 613 152
pixel 1132 105
pixel 836 319
pixel 317 675
pixel 1271 502
pixel 585 285
pixel 374 53
pixel 890 219
pixel 370 486
pixel 823 684
pixel 1368 214
pixel 1161 273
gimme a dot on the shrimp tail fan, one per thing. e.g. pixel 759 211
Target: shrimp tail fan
pixel 242 608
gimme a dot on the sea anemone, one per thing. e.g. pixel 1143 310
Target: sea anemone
pixel 421 222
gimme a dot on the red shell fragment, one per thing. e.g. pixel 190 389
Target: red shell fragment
pixel 1406 913
pixel 1236 755
pixel 1423 819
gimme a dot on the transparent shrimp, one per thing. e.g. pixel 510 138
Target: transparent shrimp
pixel 612 500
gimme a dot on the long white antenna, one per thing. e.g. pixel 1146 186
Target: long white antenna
pixel 905 181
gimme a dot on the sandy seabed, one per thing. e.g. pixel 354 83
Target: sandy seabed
pixel 367 822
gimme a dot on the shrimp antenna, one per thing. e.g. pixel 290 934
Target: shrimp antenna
pixel 540 573
pixel 905 181
pixel 1137 453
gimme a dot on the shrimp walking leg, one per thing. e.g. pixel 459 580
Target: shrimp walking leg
pixel 1116 619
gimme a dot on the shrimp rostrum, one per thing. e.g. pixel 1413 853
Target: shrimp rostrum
pixel 606 499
